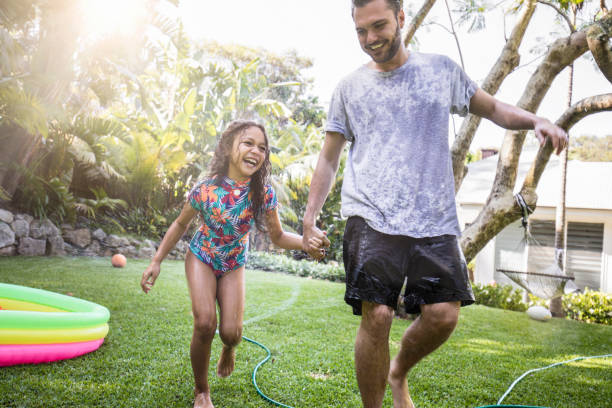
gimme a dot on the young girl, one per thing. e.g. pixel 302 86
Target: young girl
pixel 233 198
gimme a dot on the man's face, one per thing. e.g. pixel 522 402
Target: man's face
pixel 378 30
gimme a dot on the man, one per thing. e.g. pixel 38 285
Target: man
pixel 398 194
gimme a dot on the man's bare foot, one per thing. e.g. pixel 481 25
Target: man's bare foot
pixel 225 366
pixel 202 400
pixel 399 389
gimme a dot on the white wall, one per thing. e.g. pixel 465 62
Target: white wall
pixel 606 261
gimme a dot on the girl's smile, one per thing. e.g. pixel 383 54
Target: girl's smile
pixel 248 154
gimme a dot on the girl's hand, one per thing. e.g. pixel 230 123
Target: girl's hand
pixel 149 276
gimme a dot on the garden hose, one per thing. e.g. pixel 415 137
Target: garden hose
pixel 280 404
pixel 526 373
pixel 253 377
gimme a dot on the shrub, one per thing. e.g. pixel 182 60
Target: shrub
pixel 500 296
pixel 279 263
pixel 589 306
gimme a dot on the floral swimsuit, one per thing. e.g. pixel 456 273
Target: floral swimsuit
pixel 225 207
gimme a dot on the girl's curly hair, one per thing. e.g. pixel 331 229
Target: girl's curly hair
pixel 219 166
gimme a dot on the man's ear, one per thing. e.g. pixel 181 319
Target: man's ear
pixel 401 18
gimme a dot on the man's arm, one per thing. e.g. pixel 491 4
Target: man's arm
pixel 514 118
pixel 322 179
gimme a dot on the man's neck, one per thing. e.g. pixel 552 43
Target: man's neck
pixel 400 57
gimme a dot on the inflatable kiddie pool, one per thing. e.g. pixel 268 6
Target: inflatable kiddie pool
pixel 38 326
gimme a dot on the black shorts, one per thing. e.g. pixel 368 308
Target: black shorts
pixel 376 265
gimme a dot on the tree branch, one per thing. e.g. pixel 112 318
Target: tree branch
pixel 505 64
pixel 560 12
pixel 573 114
pixel 417 20
pixel 598 38
pixel 500 209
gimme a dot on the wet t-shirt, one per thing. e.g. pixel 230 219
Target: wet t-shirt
pixel 398 175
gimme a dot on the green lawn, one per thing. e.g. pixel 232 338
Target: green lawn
pixel 144 361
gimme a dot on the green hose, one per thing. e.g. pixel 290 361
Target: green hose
pixel 254 376
pixel 280 404
pixel 526 373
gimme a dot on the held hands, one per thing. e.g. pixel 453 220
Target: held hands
pixel 558 137
pixel 314 242
pixel 149 276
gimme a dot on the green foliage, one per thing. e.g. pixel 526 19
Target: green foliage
pixel 591 148
pixel 590 307
pixel 144 221
pixel 102 202
pixel 279 263
pixel 499 296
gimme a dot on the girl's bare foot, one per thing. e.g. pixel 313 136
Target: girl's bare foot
pixel 202 400
pixel 399 389
pixel 225 366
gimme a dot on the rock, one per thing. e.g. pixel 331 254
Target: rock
pixel 94 248
pixel 146 252
pixel 70 250
pixel 108 252
pixel 8 251
pixel 111 241
pixel 43 229
pixel 32 247
pixel 539 313
pixel 7 235
pixel 130 251
pixel 124 242
pixel 80 237
pixel 149 243
pixel 135 242
pixel 99 234
pixel 55 246
pixel 21 228
pixel 26 217
pixel 6 216
pixel 182 246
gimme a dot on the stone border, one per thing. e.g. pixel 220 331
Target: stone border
pixel 22 234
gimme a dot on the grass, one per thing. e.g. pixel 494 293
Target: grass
pixel 144 361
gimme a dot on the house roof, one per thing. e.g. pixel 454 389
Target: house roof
pixel 589 184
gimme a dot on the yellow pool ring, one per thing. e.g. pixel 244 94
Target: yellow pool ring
pixel 46 336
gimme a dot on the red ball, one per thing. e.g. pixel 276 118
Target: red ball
pixel 118 261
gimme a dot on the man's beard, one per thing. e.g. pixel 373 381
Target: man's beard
pixel 396 42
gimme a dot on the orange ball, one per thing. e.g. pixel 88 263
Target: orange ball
pixel 118 261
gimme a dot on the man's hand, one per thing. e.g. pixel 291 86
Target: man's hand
pixel 314 242
pixel 558 137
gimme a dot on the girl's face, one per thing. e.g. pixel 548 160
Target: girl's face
pixel 248 153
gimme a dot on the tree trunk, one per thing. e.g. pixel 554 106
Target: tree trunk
pixel 505 64
pixel 598 38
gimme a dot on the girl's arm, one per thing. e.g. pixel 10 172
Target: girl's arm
pixel 286 240
pixel 174 233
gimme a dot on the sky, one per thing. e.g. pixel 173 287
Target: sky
pixel 323 30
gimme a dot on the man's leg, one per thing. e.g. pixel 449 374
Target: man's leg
pixel 372 353
pixel 429 331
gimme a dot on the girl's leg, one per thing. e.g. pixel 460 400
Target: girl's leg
pixel 202 290
pixel 230 295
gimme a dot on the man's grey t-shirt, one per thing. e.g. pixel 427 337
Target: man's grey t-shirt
pixel 399 174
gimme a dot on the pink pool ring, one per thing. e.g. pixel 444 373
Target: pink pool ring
pixel 38 326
